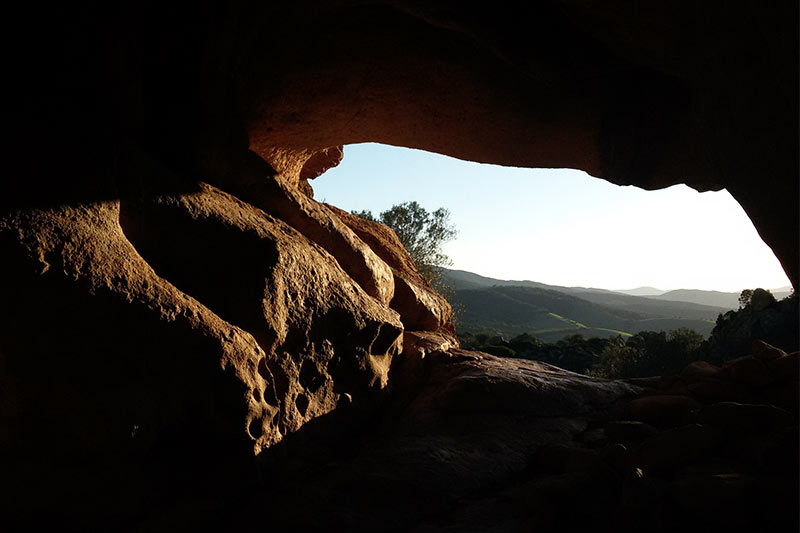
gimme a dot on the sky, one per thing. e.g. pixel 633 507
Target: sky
pixel 562 226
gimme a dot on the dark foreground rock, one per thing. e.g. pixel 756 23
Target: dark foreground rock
pixel 475 427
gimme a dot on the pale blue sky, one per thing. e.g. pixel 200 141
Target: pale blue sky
pixel 561 226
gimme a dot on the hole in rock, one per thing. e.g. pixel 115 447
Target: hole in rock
pixel 555 253
pixel 263 371
pixel 270 394
pixel 384 338
pixel 257 395
pixel 310 378
pixel 301 402
pixel 256 428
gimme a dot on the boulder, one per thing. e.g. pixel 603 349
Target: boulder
pixel 744 418
pixel 662 410
pixel 785 395
pixel 257 183
pixel 786 368
pixel 618 457
pixel 628 431
pixel 717 497
pixel 713 390
pixel 475 422
pixel 778 456
pixel 698 370
pixel 749 371
pixel 420 307
pixel 187 327
pixel 766 352
pixel 675 448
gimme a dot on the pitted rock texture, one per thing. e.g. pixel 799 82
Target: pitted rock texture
pixel 171 326
pixel 466 424
pixel 484 443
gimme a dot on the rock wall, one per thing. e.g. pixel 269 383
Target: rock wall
pixel 178 312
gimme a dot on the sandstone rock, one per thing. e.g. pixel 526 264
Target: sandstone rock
pixel 256 183
pixel 779 454
pixel 421 343
pixel 712 390
pixel 667 381
pixel 744 418
pixel 559 459
pixel 225 326
pixel 766 352
pixel 651 382
pixel 593 438
pixel 255 272
pixel 644 503
pixel 475 421
pixel 320 162
pixel 785 395
pixel 673 386
pixel 628 431
pixel 550 501
pixel 786 367
pixel 675 448
pixel 698 370
pixel 663 410
pixel 130 368
pixel 618 457
pixel 777 499
pixel 420 307
pixel 750 371
pixel 719 499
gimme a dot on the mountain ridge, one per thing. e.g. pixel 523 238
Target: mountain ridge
pixel 726 300
pixel 549 312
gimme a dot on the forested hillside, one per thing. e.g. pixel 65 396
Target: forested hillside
pixel 509 308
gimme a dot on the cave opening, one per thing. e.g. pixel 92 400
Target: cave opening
pixel 557 253
pixel 561 226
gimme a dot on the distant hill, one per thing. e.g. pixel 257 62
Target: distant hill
pixel 549 312
pixel 641 291
pixel 728 300
pixel 461 279
pixel 654 307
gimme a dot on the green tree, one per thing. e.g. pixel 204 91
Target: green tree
pixel 649 353
pixel 745 298
pixel 422 233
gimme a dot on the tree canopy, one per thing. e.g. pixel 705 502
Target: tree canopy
pixel 422 233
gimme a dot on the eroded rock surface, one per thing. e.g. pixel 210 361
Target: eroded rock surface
pixel 171 326
pixel 466 425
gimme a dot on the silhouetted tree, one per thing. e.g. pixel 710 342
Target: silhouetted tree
pixel 745 298
pixel 422 234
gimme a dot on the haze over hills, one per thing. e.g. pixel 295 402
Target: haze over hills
pixel 461 279
pixel 641 291
pixel 550 312
pixel 729 300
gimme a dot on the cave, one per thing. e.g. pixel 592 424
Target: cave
pixel 189 340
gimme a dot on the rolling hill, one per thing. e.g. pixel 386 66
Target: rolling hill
pixel 728 300
pixel 510 308
pixel 642 291
pixel 461 279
